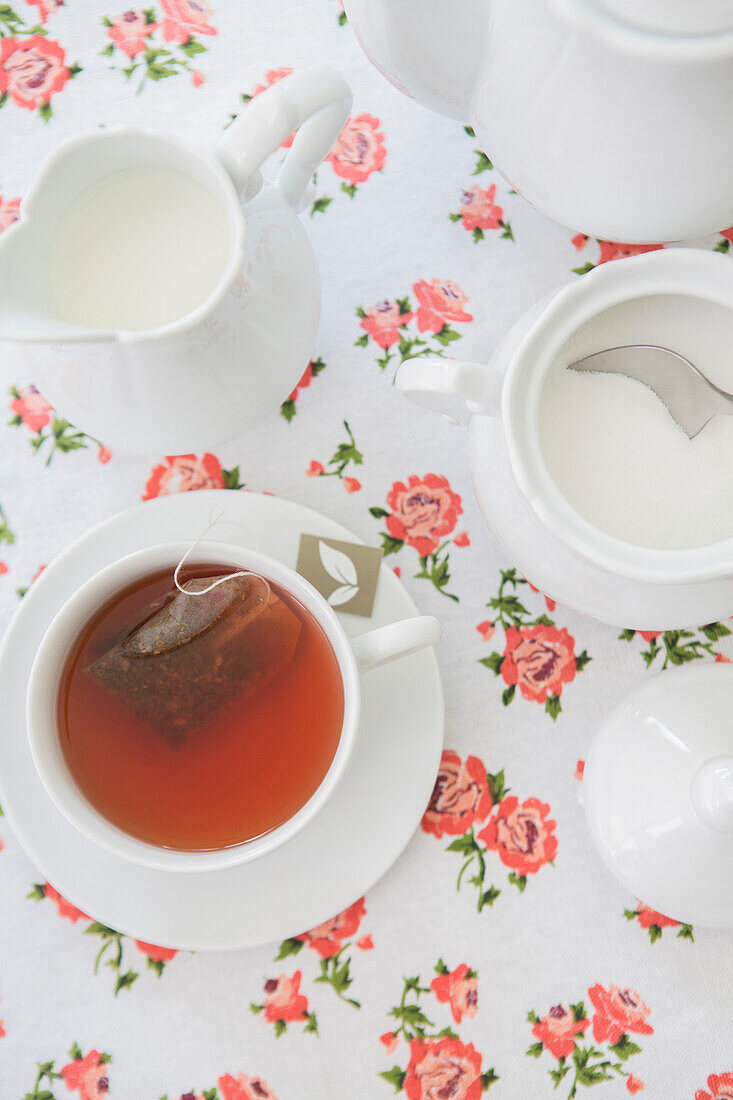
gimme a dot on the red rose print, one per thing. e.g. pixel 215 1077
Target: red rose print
pixel 3 568
pixel 31 408
pixel 557 1030
pixel 46 7
pixel 649 635
pixel 128 32
pixel 648 917
pixel 316 469
pixel 351 484
pixel 32 70
pixel 728 234
pixel 441 301
pixel 327 938
pixel 104 455
pixel 197 78
pixel 423 511
pixel 447 1068
pixel 244 1087
pixel 487 629
pixel 359 150
pixel 462 539
pixel 65 908
pixel 282 1000
pixel 9 212
pixel 521 834
pixel 87 1076
pixel 390 1041
pixel 305 381
pixel 633 1084
pixel 613 250
pixel 157 954
pixel 721 660
pixel 720 1087
pixel 540 659
pixel 382 322
pixel 366 943
pixel 182 473
pixel 184 18
pixel 459 989
pixel 580 240
pixel 579 770
pixel 478 210
pixel 551 604
pixel 618 1011
pixel 460 797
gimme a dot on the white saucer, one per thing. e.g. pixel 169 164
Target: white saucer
pixel 354 840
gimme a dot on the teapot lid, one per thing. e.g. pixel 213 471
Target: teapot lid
pixel 670 17
pixel 658 793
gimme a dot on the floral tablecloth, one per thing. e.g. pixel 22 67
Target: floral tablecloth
pixel 498 954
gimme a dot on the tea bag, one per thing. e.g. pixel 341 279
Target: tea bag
pixel 216 640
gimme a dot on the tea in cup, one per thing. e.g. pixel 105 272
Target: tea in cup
pixel 199 727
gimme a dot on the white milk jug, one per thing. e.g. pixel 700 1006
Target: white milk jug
pixel 163 298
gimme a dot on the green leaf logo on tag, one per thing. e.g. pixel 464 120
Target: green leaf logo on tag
pixel 345 573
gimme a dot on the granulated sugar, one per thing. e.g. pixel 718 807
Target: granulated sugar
pixel 622 461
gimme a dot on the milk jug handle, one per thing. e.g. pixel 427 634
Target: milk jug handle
pixel 456 389
pixel 315 102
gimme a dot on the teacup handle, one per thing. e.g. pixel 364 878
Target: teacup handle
pixel 316 102
pixel 387 643
pixel 456 389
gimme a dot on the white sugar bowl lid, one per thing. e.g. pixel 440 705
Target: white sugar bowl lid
pixel 658 793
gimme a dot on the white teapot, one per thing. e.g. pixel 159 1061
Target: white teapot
pixel 608 115
pixel 200 377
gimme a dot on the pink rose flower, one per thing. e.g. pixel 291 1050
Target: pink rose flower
pixel 720 1086
pixel 648 635
pixel 383 322
pixel 31 408
pixel 521 834
pixel 283 1001
pixel 557 1030
pixel 390 1041
pixel 197 78
pixel 184 18
pixel 539 659
pixel 460 797
pixel 104 455
pixel 618 1011
pixel 613 250
pixel 351 485
pixel 87 1076
pixel 446 1068
pixel 359 150
pixel 128 32
pixel 3 568
pixel 64 907
pixel 579 770
pixel 647 917
pixel 328 937
pixel 46 7
pixel 486 629
pixel 441 302
pixel 580 240
pixel 9 212
pixel 366 943
pixel 423 511
pixel 478 210
pixel 156 953
pixel 316 469
pixel 634 1084
pixel 459 989
pixel 32 70
pixel 244 1087
pixel 182 473
pixel 462 539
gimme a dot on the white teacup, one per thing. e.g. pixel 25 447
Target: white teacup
pixel 354 657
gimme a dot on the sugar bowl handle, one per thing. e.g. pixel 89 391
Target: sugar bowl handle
pixel 387 643
pixel 456 389
pixel 315 102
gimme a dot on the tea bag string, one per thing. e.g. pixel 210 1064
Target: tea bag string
pixel 215 514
